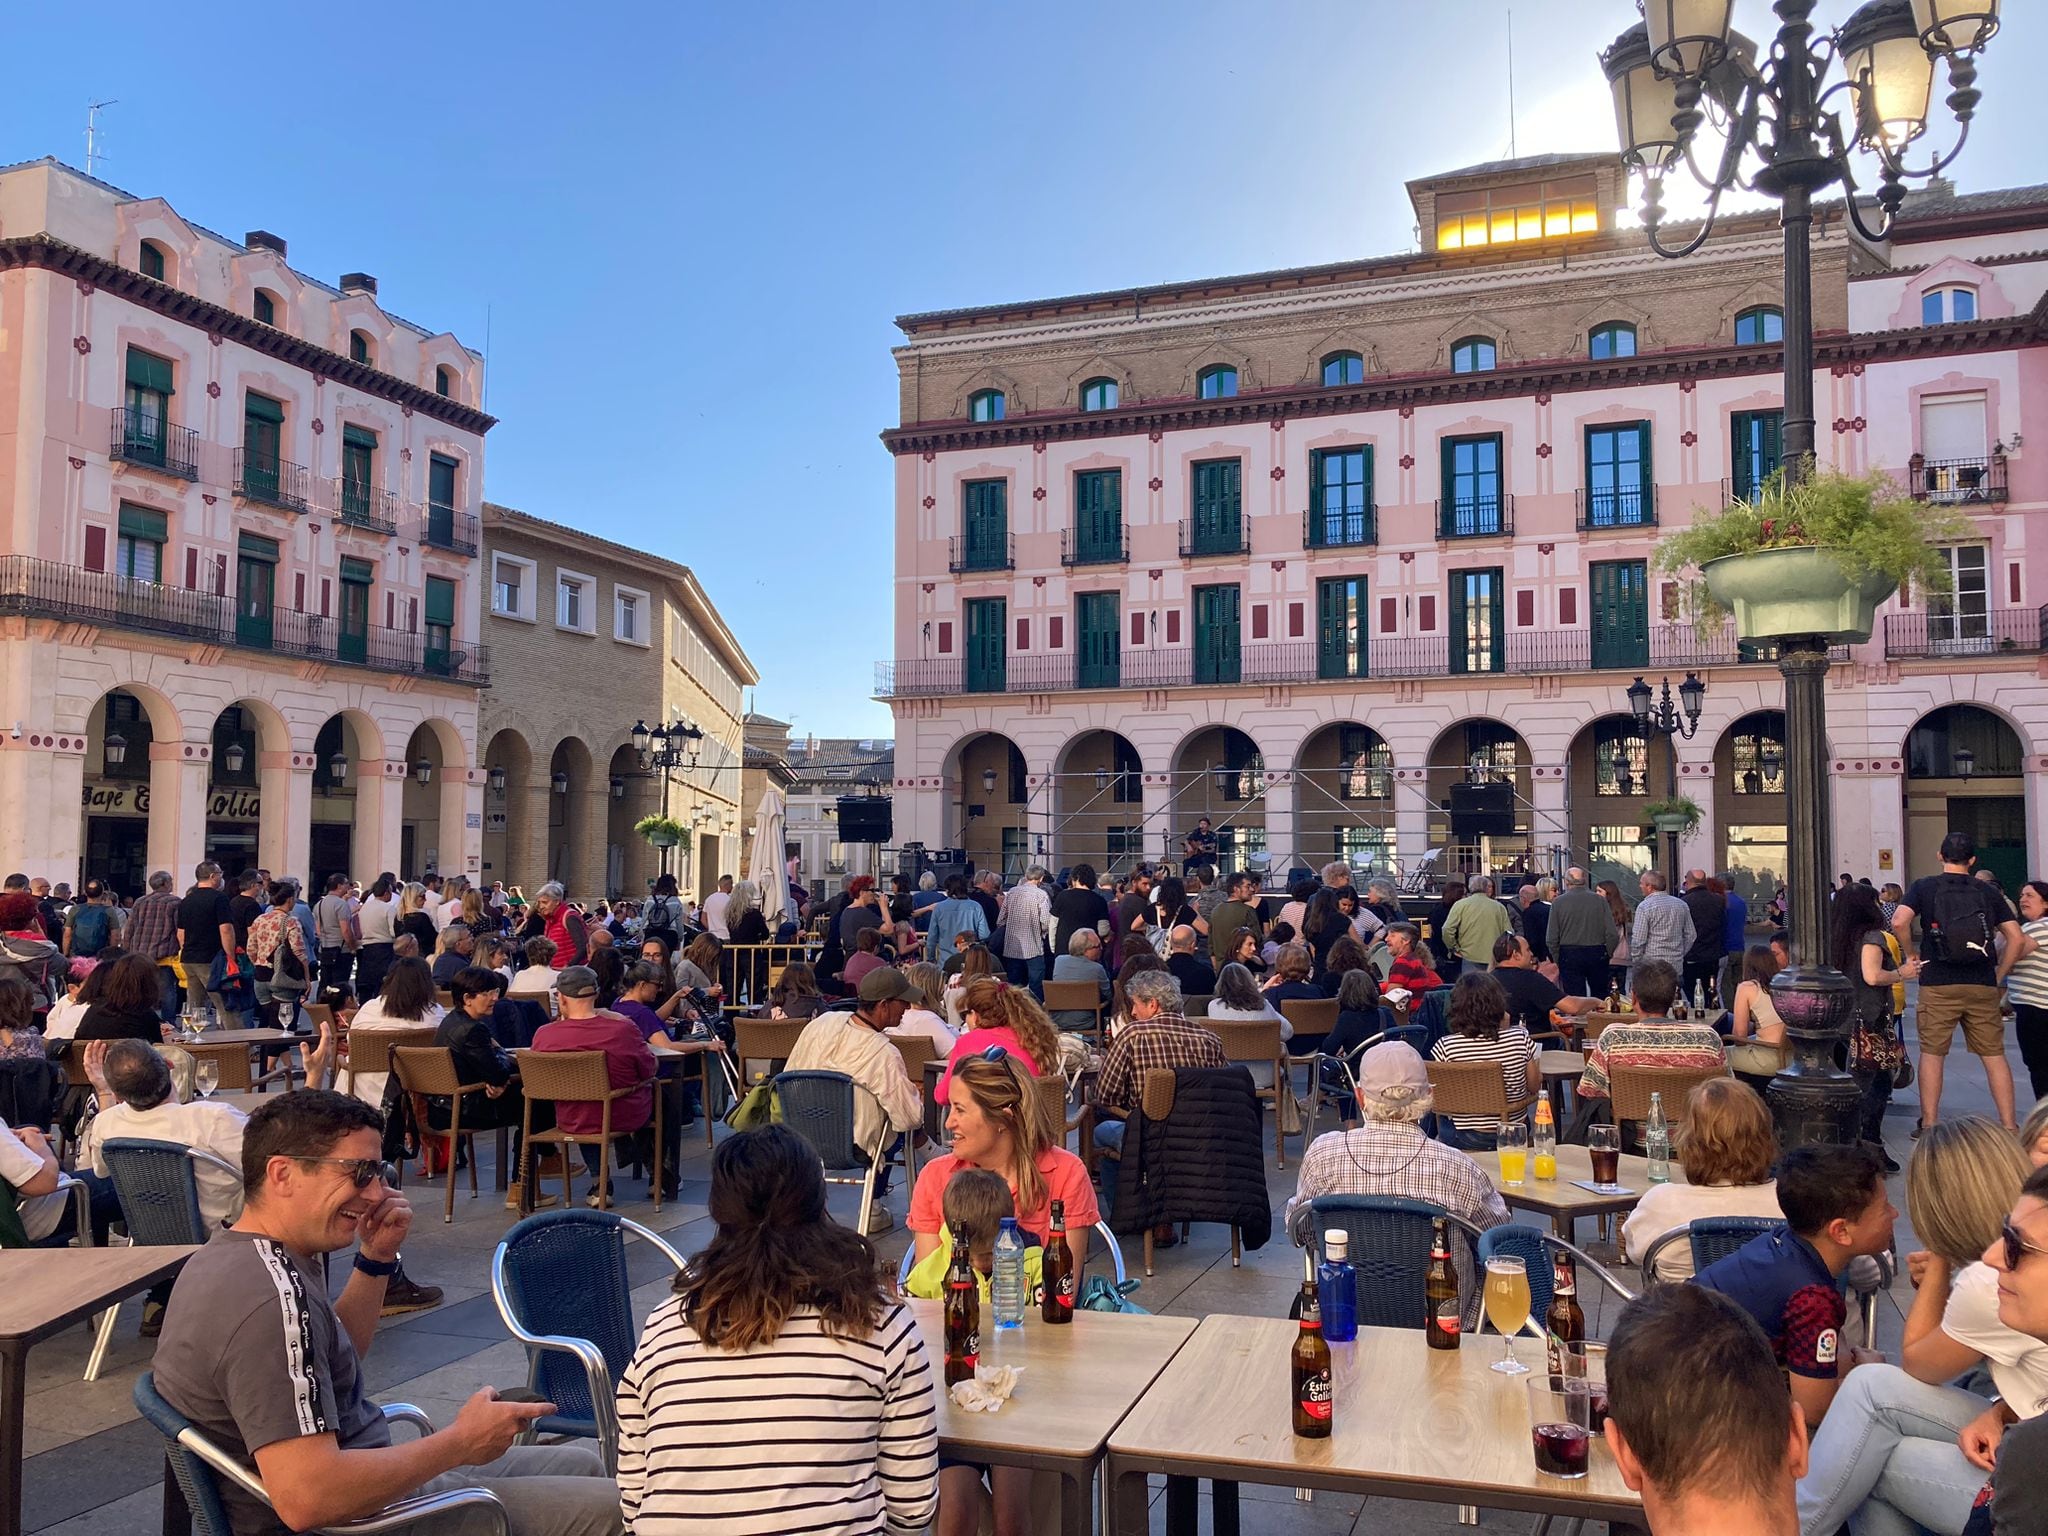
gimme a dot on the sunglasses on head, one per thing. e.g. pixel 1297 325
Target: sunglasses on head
pixel 995 1053
pixel 361 1170
pixel 2017 1245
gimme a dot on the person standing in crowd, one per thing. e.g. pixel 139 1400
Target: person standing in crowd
pixel 863 909
pixel 1238 912
pixel 716 903
pixel 959 913
pixel 1194 973
pixel 1858 948
pixel 1471 925
pixel 376 930
pixel 93 924
pixel 1709 911
pixel 206 932
pixel 1025 918
pixel 152 932
pixel 1663 926
pixel 282 980
pixel 1133 911
pixel 1534 902
pixel 987 891
pixel 2026 986
pixel 1735 935
pixel 1962 965
pixel 552 917
pixel 335 926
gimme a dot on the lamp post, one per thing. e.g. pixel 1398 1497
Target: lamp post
pixel 661 751
pixel 1675 722
pixel 1681 67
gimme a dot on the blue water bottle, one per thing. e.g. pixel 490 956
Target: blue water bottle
pixel 1337 1286
pixel 1006 1282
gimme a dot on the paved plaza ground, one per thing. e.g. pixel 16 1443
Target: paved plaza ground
pixel 94 1468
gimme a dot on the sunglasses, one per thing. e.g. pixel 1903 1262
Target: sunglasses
pixel 2016 1244
pixel 995 1053
pixel 361 1170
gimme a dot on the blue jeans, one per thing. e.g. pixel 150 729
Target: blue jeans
pixel 1109 1137
pixel 1028 972
pixel 1885 1459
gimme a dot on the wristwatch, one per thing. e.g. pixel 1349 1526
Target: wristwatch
pixel 381 1271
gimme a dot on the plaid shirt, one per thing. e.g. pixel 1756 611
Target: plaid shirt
pixel 1385 1157
pixel 1167 1041
pixel 152 927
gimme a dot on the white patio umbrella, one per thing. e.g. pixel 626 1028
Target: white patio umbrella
pixel 765 867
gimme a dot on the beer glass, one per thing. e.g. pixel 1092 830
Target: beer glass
pixel 1507 1307
pixel 1603 1149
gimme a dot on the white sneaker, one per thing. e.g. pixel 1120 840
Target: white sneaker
pixel 880 1221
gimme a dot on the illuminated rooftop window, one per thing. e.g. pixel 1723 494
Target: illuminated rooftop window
pixel 1545 210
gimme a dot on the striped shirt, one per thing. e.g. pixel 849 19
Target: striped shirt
pixel 1649 1043
pixel 808 1436
pixel 1511 1049
pixel 2027 984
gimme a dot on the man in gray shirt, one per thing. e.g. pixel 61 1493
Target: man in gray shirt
pixel 331 929
pixel 1582 935
pixel 1663 927
pixel 256 1356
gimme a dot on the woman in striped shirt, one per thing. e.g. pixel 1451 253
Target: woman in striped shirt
pixel 2026 986
pixel 785 1392
pixel 1481 1031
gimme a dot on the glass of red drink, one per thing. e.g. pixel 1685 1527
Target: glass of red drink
pixel 1559 1425
pixel 1586 1360
pixel 1603 1150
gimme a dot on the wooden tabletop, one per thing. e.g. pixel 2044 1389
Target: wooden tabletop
pixel 1562 1064
pixel 44 1290
pixel 1561 1197
pixel 1411 1422
pixel 1079 1380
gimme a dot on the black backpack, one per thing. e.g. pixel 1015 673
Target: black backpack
pixel 1959 929
pixel 663 923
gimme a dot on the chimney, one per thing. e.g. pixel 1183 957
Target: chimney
pixel 264 240
pixel 353 283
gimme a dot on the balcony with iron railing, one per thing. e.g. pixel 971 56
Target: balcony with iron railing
pixel 1218 533
pixel 445 528
pixel 1475 517
pixel 1957 482
pixel 965 553
pixel 141 438
pixel 358 504
pixel 1095 546
pixel 43 589
pixel 1347 528
pixel 1626 507
pixel 1998 632
pixel 273 482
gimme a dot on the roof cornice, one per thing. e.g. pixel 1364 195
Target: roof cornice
pixel 53 255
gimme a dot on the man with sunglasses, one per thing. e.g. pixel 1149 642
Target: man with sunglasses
pixel 269 1368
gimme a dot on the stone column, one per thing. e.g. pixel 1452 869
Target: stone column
pixel 459 848
pixel 178 781
pixel 380 819
pixel 526 834
pixel 284 836
pixel 1280 837
pixel 42 805
pixel 589 818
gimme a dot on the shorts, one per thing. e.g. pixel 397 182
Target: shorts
pixel 1975 1008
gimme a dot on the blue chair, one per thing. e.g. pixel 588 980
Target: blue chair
pixel 1336 1076
pixel 1712 1238
pixel 1535 1248
pixel 159 1193
pixel 200 1466
pixel 819 1106
pixel 1116 1256
pixel 1389 1248
pixel 560 1282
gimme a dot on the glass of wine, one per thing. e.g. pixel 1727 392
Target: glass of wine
pixel 1507 1307
pixel 1559 1427
pixel 1603 1151
pixel 206 1076
pixel 1586 1360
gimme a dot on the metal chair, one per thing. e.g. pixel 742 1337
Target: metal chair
pixel 158 1187
pixel 1535 1247
pixel 200 1466
pixel 819 1106
pixel 1711 1239
pixel 577 1077
pixel 1116 1256
pixel 429 1071
pixel 1389 1247
pixel 561 1283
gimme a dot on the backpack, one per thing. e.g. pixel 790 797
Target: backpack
pixel 91 924
pixel 1958 928
pixel 665 922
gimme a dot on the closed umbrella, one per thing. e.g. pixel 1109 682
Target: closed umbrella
pixel 765 867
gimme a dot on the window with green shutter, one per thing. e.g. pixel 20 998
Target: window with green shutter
pixel 1097 658
pixel 1471 505
pixel 1620 604
pixel 263 308
pixel 1098 516
pixel 358 469
pixel 1340 509
pixel 987 653
pixel 152 260
pixel 1217 655
pixel 1477 631
pixel 985 525
pixel 1216 524
pixel 359 346
pixel 147 410
pixel 255 590
pixel 139 543
pixel 438 612
pixel 1618 479
pixel 1758 438
pixel 1340 627
pixel 352 640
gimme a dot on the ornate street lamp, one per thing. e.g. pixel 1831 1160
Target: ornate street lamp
pixel 116 749
pixel 1966 763
pixel 618 787
pixel 640 739
pixel 1682 67
pixel 1624 778
pixel 988 781
pixel 337 769
pixel 233 757
pixel 423 771
pixel 1657 715
pixel 495 777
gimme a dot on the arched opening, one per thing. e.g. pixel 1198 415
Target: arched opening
pixel 1480 800
pixel 430 828
pixel 1749 804
pixel 510 814
pixel 988 798
pixel 631 862
pixel 1098 806
pixel 347 817
pixel 570 783
pixel 1344 798
pixel 1220 773
pixel 1964 773
pixel 1613 773
pixel 128 824
pixel 248 791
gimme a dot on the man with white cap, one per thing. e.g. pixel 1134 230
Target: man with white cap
pixel 858 1045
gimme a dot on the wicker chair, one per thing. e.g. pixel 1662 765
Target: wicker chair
pixel 764 1040
pixel 577 1077
pixel 1076 997
pixel 1479 1088
pixel 369 1050
pixel 429 1071
pixel 1629 1090
pixel 1251 1040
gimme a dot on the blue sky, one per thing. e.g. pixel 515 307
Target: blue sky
pixel 690 226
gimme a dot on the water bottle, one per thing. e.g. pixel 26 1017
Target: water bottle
pixel 1006 1281
pixel 1657 1141
pixel 1337 1285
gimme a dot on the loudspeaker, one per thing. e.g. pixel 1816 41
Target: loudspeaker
pixel 865 819
pixel 1482 810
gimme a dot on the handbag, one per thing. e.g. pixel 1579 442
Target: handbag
pixel 1287 1108
pixel 1101 1294
pixel 760 1108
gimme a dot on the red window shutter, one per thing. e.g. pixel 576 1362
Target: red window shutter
pixel 1525 608
pixel 412 616
pixel 191 570
pixel 391 610
pixel 1173 626
pixel 1258 621
pixel 1390 615
pixel 1055 628
pixel 945 637
pixel 1023 634
pixel 2012 583
pixel 1568 605
pixel 326 597
pixel 95 549
pixel 1137 629
pixel 299 591
pixel 1294 621
pixel 1425 612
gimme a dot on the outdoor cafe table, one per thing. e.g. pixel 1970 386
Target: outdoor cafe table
pixel 1562 1200
pixel 232 1049
pixel 1078 1381
pixel 42 1292
pixel 1559 1068
pixel 664 1051
pixel 1411 1423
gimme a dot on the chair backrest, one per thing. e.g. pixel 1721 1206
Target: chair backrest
pixel 819 1106
pixel 1103 1236
pixel 1195 1005
pixel 1532 1246
pixel 444 997
pixel 1072 997
pixel 426 1069
pixel 571 1077
pixel 1155 1094
pixel 319 1014
pixel 1248 1039
pixel 369 1049
pixel 1433 1012
pixel 196 1480
pixel 1052 1106
pixel 1630 1088
pixel 30 1088
pixel 765 1039
pixel 1715 1237
pixel 1472 1088
pixel 916 1051
pixel 1310 1016
pixel 159 1195
pixel 1389 1248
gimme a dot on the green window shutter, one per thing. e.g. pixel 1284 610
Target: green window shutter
pixel 440 600
pixel 141 523
pixel 262 408
pixel 253 547
pixel 148 371
pixel 359 571
pixel 357 437
pixel 441 480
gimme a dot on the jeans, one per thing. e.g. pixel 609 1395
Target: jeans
pixel 1582 970
pixel 173 995
pixel 547 1490
pixel 1885 1458
pixel 1028 972
pixel 1109 1137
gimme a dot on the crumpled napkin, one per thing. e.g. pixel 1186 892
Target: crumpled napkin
pixel 990 1389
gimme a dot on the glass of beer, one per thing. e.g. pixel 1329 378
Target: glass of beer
pixel 1603 1148
pixel 1507 1307
pixel 1514 1152
pixel 1559 1426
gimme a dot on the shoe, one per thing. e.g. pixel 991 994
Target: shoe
pixel 405 1295
pixel 598 1202
pixel 1891 1164
pixel 152 1319
pixel 1917 1129
pixel 1166 1236
pixel 880 1221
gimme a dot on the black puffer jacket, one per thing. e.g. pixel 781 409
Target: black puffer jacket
pixel 1204 1162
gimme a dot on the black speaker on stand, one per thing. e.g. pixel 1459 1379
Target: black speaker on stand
pixel 865 819
pixel 1482 810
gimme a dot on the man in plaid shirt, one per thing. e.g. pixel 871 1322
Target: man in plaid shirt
pixel 152 932
pixel 1158 1035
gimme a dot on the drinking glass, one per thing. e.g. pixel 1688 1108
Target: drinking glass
pixel 1559 1425
pixel 206 1076
pixel 1587 1361
pixel 1603 1148
pixel 1507 1307
pixel 1513 1141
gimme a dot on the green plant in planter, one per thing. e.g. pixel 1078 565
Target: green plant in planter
pixel 661 831
pixel 1679 806
pixel 1872 530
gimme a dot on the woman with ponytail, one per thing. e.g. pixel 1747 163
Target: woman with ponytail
pixel 782 1348
pixel 996 1013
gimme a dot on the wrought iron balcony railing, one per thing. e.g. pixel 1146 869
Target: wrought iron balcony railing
pixel 445 528
pixel 273 482
pixel 360 505
pixel 138 437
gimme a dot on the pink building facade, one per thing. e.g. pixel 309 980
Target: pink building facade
pixel 239 588
pixel 1356 560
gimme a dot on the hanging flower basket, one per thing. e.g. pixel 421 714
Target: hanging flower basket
pixel 661 831
pixel 1797 591
pixel 1680 815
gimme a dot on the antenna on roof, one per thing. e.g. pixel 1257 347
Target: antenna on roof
pixel 93 153
pixel 1511 83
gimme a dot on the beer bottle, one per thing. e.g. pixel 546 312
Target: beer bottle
pixel 1614 1004
pixel 1564 1323
pixel 1314 1397
pixel 963 1312
pixel 1440 1289
pixel 1057 1268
